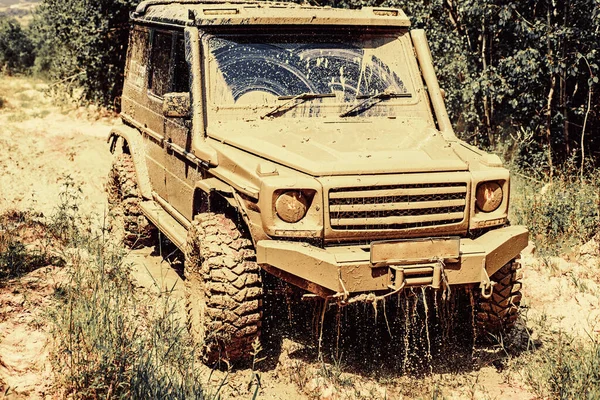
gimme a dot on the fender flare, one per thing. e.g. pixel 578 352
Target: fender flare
pixel 134 143
pixel 214 188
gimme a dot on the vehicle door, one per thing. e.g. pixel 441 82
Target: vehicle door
pixel 141 103
pixel 181 168
pixel 159 83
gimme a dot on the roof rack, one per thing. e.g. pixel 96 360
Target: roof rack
pixel 143 6
pixel 247 12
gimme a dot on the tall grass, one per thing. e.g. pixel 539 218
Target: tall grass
pixel 564 368
pixel 25 244
pixel 561 213
pixel 111 341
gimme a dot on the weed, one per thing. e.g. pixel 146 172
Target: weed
pixel 565 368
pixel 256 359
pixel 560 214
pixel 24 244
pixel 111 342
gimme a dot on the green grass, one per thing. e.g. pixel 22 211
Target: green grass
pixel 561 214
pixel 563 367
pixel 110 341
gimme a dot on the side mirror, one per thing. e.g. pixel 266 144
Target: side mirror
pixel 176 105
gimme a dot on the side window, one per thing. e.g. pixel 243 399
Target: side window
pixel 159 83
pixel 181 72
pixel 138 58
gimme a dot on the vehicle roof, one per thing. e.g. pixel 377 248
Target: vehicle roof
pixel 241 12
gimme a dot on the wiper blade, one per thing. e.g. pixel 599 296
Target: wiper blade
pixel 293 101
pixel 370 101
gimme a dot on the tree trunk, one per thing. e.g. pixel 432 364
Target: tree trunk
pixel 549 124
pixel 563 88
pixel 551 91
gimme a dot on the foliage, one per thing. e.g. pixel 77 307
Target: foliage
pixel 109 342
pixel 559 214
pixel 24 244
pixel 16 47
pixel 565 368
pixel 83 45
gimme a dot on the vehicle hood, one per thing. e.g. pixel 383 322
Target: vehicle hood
pixel 344 147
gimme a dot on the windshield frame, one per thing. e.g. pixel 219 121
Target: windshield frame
pixel 329 109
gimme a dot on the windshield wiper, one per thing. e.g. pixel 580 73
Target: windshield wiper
pixel 370 101
pixel 293 101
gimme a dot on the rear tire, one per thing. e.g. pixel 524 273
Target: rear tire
pixel 223 288
pixel 124 204
pixel 498 314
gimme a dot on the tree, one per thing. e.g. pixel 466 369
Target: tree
pixel 84 43
pixel 16 48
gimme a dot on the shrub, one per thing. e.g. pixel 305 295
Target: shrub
pixel 83 45
pixel 16 48
pixel 565 368
pixel 559 214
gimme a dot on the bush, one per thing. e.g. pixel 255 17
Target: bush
pixel 559 214
pixel 112 342
pixel 84 45
pixel 16 48
pixel 565 368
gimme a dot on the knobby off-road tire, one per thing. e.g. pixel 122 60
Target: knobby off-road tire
pixel 124 204
pixel 223 288
pixel 498 314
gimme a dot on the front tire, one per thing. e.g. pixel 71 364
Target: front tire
pixel 223 289
pixel 498 314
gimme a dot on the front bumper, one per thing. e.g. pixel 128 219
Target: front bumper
pixel 355 269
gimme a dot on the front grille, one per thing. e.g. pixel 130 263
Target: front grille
pixel 397 206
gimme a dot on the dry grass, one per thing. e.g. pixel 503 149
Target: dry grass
pixel 109 340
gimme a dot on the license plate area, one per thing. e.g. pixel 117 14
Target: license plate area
pixel 411 251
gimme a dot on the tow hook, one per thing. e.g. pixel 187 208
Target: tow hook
pixel 486 285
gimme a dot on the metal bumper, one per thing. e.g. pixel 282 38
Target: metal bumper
pixel 387 265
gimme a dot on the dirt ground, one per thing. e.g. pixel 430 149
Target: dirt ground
pixel 42 147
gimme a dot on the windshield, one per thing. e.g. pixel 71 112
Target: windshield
pixel 328 72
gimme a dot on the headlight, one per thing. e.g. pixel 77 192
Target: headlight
pixel 488 196
pixel 291 206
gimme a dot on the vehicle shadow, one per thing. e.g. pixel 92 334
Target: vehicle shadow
pixel 416 333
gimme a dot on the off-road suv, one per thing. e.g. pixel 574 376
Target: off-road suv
pixel 312 143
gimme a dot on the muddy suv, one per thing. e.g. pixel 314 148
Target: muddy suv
pixel 310 144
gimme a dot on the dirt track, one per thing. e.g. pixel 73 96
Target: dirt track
pixel 42 148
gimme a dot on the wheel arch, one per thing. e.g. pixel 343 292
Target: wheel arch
pixel 132 143
pixel 214 195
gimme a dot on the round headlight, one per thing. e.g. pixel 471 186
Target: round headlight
pixel 488 196
pixel 291 206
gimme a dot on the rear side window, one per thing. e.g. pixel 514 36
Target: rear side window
pixel 137 61
pixel 169 71
pixel 160 77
